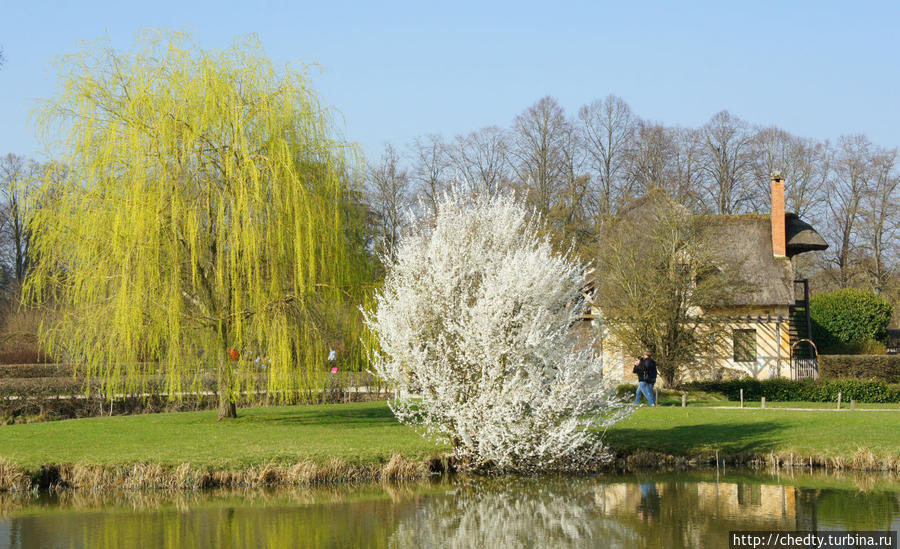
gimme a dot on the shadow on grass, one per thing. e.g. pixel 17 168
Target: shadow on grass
pixel 752 438
pixel 331 415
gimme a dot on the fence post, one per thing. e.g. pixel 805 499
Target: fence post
pixel 839 400
pixel 742 398
pixel 763 402
pixel 852 404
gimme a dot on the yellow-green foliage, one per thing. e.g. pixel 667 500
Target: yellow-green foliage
pixel 206 206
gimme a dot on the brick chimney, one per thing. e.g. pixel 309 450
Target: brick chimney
pixel 778 233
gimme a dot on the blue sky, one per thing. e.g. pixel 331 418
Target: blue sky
pixel 400 69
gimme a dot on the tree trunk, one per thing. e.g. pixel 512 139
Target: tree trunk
pixel 227 406
pixel 668 376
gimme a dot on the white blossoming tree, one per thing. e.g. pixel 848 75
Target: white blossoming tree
pixel 474 326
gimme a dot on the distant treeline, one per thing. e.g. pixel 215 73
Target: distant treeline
pixel 579 168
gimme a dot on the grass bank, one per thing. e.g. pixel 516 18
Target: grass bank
pixel 284 445
pixel 362 441
pixel 849 439
pixel 364 432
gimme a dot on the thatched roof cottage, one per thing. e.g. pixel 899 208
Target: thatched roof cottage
pixel 769 321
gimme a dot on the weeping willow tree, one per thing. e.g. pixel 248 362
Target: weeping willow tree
pixel 207 209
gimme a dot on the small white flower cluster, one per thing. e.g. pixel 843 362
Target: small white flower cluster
pixel 474 325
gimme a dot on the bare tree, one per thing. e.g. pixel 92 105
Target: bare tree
pixel 608 128
pixel 481 160
pixel 388 195
pixel 848 183
pixel 880 220
pixel 684 180
pixel 727 167
pixel 649 158
pixel 804 164
pixel 18 176
pixel 431 164
pixel 540 136
pixel 573 213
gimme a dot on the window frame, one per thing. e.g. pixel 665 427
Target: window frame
pixel 744 350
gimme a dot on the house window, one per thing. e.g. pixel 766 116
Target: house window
pixel 745 345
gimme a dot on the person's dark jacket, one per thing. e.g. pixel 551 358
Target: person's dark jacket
pixel 646 370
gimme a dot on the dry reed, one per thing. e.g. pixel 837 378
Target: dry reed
pixel 152 476
pixel 186 477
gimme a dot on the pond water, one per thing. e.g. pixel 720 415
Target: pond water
pixel 665 510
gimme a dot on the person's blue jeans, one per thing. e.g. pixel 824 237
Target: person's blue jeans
pixel 645 389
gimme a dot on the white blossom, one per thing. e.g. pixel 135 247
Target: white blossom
pixel 474 327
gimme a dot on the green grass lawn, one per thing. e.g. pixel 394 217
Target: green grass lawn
pixel 357 433
pixel 368 433
pixel 797 404
pixel 691 430
pixel 673 398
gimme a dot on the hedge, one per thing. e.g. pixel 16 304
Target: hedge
pixel 785 390
pixel 26 355
pixel 20 371
pixel 849 316
pixel 866 367
pixel 55 396
pixel 59 370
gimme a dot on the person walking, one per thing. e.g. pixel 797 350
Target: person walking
pixel 332 359
pixel 645 368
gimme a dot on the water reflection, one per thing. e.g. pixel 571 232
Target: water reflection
pixel 683 510
pixel 511 513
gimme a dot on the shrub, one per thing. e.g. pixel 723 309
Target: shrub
pixel 867 347
pixel 866 367
pixel 475 316
pixel 785 390
pixel 849 316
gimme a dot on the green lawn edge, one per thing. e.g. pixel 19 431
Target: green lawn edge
pixel 359 433
pixel 841 437
pixel 361 439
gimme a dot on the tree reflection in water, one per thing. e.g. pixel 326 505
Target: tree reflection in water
pixel 513 513
pixel 673 510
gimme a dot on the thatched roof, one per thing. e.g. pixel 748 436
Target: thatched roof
pixel 745 240
pixel 650 203
pixel 801 237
